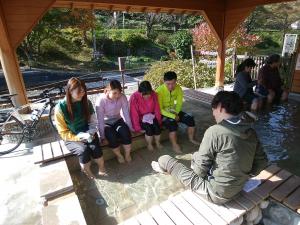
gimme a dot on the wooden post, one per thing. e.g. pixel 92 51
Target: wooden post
pixel 10 65
pixel 233 62
pixel 122 61
pixel 193 63
pixel 295 86
pixel 219 84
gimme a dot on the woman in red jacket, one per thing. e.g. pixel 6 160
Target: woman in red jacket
pixel 145 113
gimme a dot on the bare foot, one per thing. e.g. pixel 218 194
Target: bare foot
pixel 150 148
pixel 102 172
pixel 89 173
pixel 128 158
pixel 177 149
pixel 193 141
pixel 159 146
pixel 120 159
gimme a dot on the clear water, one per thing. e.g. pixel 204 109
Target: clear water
pixel 131 189
pixel 279 132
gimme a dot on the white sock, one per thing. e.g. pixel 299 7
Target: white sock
pixel 156 167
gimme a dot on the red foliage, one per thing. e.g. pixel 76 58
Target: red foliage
pixel 205 40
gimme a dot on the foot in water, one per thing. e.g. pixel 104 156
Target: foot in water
pixel 193 141
pixel 177 149
pixel 150 148
pixel 88 173
pixel 102 172
pixel 120 159
pixel 159 146
pixel 128 157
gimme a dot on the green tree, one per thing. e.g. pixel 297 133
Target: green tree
pixel 51 26
pixel 181 42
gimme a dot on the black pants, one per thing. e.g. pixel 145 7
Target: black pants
pixel 189 178
pixel 85 151
pixel 172 125
pixel 117 133
pixel 151 129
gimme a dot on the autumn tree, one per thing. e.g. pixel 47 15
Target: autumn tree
pixel 204 39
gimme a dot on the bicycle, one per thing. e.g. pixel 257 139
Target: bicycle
pixel 13 129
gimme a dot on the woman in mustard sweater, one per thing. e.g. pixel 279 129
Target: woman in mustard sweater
pixel 76 124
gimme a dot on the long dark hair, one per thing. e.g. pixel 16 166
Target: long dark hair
pixel 246 63
pixel 72 84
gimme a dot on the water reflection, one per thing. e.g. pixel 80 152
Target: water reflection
pixel 279 130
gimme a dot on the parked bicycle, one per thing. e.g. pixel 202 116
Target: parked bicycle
pixel 13 128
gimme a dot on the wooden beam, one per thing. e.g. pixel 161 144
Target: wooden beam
pixel 219 83
pixel 171 11
pixel 127 9
pixel 183 12
pixel 295 85
pixel 175 4
pixel 196 13
pixel 239 4
pixel 233 19
pixel 33 11
pixel 216 21
pixel 224 24
pixel 10 64
pixel 143 9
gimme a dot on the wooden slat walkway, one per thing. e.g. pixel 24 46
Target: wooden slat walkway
pixel 189 208
pixel 56 150
pixel 198 95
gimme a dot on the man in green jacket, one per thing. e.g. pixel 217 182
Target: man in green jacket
pixel 229 154
pixel 170 98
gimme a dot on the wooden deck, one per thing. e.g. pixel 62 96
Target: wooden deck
pixel 188 208
pixel 198 95
pixel 56 150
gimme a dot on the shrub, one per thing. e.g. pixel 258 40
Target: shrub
pixel 163 38
pixel 181 42
pixel 123 43
pixel 267 42
pixel 205 76
pixel 113 48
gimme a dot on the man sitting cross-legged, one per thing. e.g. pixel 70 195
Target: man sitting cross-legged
pixel 229 154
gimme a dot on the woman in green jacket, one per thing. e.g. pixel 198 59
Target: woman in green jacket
pixel 76 124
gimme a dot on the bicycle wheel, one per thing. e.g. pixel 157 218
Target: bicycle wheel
pixel 51 116
pixel 11 135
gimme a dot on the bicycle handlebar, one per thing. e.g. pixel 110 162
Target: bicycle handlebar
pixel 45 93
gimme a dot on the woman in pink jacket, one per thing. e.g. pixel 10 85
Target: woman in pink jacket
pixel 145 113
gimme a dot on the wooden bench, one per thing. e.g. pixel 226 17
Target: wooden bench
pixel 188 208
pixel 56 185
pixel 56 150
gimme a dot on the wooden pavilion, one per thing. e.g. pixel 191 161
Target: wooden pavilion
pixel 18 18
